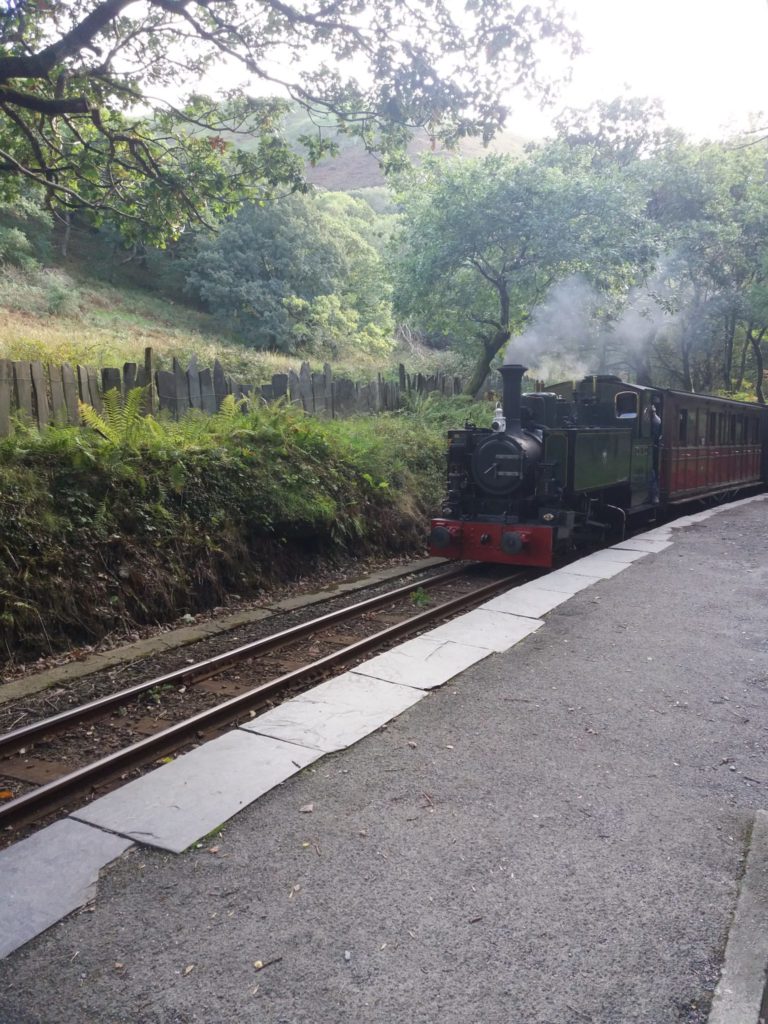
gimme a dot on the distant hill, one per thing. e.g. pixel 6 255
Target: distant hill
pixel 354 168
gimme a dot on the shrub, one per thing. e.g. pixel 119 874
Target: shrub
pixel 16 249
pixel 25 234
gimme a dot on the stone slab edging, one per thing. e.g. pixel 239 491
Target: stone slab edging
pixel 174 638
pixel 416 668
pixel 741 990
pixel 50 874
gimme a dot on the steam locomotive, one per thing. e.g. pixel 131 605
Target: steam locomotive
pixel 582 459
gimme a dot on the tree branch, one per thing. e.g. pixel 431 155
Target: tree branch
pixel 41 105
pixel 40 65
pixel 67 195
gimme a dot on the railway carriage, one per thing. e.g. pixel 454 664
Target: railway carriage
pixel 579 460
pixel 710 445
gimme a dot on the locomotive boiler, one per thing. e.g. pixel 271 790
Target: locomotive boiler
pixel 578 460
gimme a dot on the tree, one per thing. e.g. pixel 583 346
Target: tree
pixel 298 273
pixel 621 131
pixel 483 242
pixel 710 203
pixel 80 116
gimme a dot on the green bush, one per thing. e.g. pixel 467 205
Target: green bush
pixel 16 249
pixel 302 273
pixel 25 234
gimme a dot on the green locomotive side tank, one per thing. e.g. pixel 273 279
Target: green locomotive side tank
pixel 601 458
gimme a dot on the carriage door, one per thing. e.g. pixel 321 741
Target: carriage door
pixel 642 456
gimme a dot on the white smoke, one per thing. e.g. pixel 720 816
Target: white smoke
pixel 561 332
pixel 647 315
pixel 578 331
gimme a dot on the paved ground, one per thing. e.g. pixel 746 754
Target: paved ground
pixel 555 837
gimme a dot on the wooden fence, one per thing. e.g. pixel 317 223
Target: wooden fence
pixel 50 394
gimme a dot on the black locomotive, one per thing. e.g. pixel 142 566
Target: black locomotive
pixel 580 458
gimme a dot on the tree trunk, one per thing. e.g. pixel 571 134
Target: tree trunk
pixel 685 356
pixel 757 351
pixel 482 366
pixel 640 362
pixel 742 365
pixel 67 232
pixel 730 333
pixel 491 345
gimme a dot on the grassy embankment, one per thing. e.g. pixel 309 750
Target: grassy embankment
pixel 138 521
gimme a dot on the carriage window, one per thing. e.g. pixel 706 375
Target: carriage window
pixel 626 405
pixel 721 428
pixel 683 434
pixel 732 429
pixel 711 428
pixel 739 430
pixel 755 430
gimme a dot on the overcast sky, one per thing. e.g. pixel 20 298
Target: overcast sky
pixel 705 60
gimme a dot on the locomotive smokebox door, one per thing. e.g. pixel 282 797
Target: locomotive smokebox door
pixel 497 464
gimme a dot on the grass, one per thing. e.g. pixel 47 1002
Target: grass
pixel 57 316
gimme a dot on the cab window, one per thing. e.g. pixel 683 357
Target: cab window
pixel 626 405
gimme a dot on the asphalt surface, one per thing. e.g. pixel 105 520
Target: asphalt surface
pixel 555 837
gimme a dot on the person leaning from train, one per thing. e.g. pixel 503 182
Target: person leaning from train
pixel 655 425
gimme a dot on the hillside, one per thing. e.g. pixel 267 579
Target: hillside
pixel 355 169
pixel 98 307
pixel 61 315
pixel 65 314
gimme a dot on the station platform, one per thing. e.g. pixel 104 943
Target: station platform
pixel 550 811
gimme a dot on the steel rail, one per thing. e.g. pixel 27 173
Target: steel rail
pixel 52 795
pixel 12 742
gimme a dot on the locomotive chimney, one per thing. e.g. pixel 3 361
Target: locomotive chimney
pixel 512 375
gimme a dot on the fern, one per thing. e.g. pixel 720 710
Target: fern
pixel 229 412
pixel 122 423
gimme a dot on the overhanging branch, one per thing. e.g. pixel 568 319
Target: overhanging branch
pixel 40 65
pixel 41 105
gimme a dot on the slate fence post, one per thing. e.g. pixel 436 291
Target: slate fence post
pixel 49 395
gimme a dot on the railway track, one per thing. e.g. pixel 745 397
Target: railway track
pixel 42 761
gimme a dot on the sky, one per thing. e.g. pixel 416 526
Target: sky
pixel 704 60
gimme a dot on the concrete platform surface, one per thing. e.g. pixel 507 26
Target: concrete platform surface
pixel 530 600
pixel 422 662
pixel 740 993
pixel 557 836
pixel 495 631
